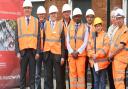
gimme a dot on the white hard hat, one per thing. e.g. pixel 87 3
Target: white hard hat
pixel 52 9
pixel 90 12
pixel 113 13
pixel 119 13
pixel 77 11
pixel 66 7
pixel 27 3
pixel 41 10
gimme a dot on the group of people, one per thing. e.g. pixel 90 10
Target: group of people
pixel 70 41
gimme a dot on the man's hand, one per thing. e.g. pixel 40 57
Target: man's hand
pixel 18 55
pixel 75 54
pixel 62 61
pixel 37 56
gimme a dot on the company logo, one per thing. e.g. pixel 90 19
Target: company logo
pixel 10 77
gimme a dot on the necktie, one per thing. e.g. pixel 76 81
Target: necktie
pixel 42 25
pixel 89 29
pixel 52 25
pixel 75 36
pixel 27 20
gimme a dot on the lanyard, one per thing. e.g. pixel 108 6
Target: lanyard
pixel 75 35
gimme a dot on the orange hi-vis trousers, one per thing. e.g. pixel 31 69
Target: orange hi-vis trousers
pixel 77 72
pixel 119 68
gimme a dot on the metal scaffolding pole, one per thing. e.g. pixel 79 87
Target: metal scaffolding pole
pixel 108 14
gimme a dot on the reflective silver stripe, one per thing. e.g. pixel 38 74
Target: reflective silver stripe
pixel 73 79
pixel 80 85
pixel 45 25
pixel 101 50
pixel 120 71
pixel 101 60
pixel 81 82
pixel 83 35
pixel 116 46
pixel 81 79
pixel 103 39
pixel 60 27
pixel 19 22
pixel 27 35
pixel 71 37
pixel 106 44
pixel 80 38
pixel 73 86
pixel 52 40
pixel 69 27
pixel 89 42
pixel 114 41
pixel 118 80
pixel 35 25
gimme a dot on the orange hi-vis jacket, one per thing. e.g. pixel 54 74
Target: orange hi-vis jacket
pixel 64 25
pixel 53 38
pixel 27 34
pixel 79 38
pixel 121 35
pixel 102 49
pixel 65 30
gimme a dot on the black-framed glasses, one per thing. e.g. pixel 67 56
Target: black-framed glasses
pixel 27 7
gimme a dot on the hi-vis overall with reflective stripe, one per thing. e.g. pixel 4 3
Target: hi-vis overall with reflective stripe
pixel 52 38
pixel 77 66
pixel 120 61
pixel 27 34
pixel 102 49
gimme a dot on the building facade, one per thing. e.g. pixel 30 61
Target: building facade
pixel 102 8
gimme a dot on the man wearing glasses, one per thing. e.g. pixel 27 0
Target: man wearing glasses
pixel 89 16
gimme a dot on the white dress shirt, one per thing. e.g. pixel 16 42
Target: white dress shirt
pixel 26 19
pixel 83 46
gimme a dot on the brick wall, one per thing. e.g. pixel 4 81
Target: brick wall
pixel 116 3
pixel 100 8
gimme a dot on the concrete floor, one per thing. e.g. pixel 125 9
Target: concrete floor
pixel 67 87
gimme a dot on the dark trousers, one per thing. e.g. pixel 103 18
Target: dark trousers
pixel 52 61
pixel 86 73
pixel 38 72
pixel 27 58
pixel 64 69
pixel 99 79
pixel 110 77
pixel 63 75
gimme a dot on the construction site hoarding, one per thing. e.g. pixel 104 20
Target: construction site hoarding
pixel 9 63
